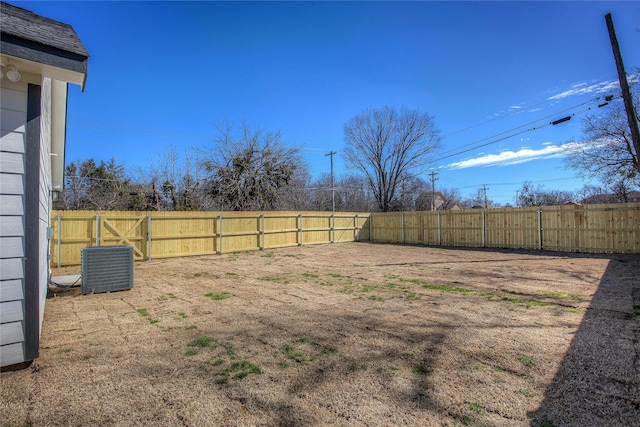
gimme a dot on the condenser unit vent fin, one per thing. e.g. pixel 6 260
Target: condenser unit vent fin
pixel 106 269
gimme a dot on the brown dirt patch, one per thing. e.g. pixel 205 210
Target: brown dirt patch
pixel 343 334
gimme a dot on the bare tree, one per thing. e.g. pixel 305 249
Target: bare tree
pixel 606 150
pixel 530 195
pixel 249 168
pixel 320 193
pixel 413 192
pixel 89 185
pixel 387 146
pixel 477 200
pixel 593 194
pixel 75 187
pixel 295 196
pixel 172 182
pixel 353 194
pixel 451 199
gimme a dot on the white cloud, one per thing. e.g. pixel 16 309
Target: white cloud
pixel 508 158
pixel 598 88
pixel 583 88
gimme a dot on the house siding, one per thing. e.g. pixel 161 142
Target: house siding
pixel 13 118
pixel 45 204
pixel 33 127
pixel 24 152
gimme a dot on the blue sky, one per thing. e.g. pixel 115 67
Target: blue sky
pixel 164 73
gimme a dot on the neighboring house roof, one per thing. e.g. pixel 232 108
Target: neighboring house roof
pixel 632 197
pixel 41 40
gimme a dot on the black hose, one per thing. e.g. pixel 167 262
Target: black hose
pixel 62 287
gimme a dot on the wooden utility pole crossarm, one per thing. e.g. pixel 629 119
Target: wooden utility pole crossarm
pixel 626 93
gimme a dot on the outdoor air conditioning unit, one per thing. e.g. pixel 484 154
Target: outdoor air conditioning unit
pixel 106 269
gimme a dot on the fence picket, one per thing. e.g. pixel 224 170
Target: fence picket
pixel 587 228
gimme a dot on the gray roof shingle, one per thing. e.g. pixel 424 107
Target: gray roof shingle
pixel 27 25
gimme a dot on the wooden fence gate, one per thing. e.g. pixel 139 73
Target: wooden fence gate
pixel 170 234
pixel 589 228
pixel 117 230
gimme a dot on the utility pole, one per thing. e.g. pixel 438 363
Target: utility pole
pixel 484 189
pixel 626 93
pixel 156 198
pixel 433 190
pixel 333 188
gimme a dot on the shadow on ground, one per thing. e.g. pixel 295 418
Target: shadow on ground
pixel 330 351
pixel 598 381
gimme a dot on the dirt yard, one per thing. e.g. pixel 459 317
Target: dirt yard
pixel 343 334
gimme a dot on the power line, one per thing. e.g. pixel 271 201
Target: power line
pixel 312 149
pixel 95 179
pixel 513 113
pixel 520 182
pixel 519 110
pixel 521 126
pixel 509 136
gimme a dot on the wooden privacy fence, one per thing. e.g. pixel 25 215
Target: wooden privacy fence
pixel 611 228
pixel 175 234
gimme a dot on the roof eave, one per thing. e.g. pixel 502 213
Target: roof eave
pixel 46 60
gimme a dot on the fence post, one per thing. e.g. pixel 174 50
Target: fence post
pixel 539 228
pixel 97 229
pixel 402 227
pixel 262 231
pixel 220 234
pixel 370 227
pixel 484 228
pixel 439 235
pixel 59 234
pixel 300 229
pixel 214 233
pixel 355 229
pixel 333 223
pixel 149 237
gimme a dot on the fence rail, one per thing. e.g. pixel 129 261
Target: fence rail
pixel 612 228
pixel 586 228
pixel 174 234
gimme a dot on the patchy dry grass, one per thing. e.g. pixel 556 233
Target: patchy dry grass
pixel 343 334
pixel 217 296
